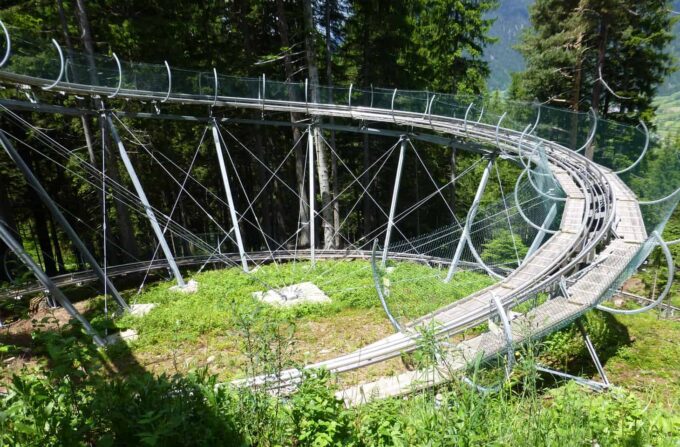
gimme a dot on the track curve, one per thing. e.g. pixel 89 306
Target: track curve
pixel 601 224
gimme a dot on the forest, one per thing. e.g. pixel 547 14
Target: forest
pixel 582 59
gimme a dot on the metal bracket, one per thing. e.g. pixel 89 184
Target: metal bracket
pixel 592 132
pixel 216 87
pixel 167 67
pixel 8 43
pixel 61 66
pixel 120 75
pixel 465 120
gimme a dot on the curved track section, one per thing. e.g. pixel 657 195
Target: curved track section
pixel 601 239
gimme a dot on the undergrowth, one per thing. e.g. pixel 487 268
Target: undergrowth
pixel 78 401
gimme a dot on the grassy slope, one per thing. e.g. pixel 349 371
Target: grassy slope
pixel 211 326
pixel 650 365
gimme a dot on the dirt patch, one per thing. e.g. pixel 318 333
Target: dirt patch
pixel 19 335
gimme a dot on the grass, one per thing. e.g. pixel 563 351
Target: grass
pixel 221 330
pixel 210 326
pixel 650 365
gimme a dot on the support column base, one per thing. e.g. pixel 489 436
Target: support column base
pixel 190 287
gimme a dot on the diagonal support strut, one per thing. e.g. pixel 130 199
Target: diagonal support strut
pixel 472 212
pixel 59 217
pixel 145 202
pixel 230 198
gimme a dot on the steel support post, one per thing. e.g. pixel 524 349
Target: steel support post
pixel 145 202
pixel 472 212
pixel 312 229
pixel 592 352
pixel 538 240
pixel 395 196
pixel 59 217
pixel 15 246
pixel 230 199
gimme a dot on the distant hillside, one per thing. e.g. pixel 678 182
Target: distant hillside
pixel 511 17
pixel 667 121
pixel 672 85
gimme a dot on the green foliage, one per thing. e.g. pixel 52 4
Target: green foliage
pixel 504 249
pixel 317 417
pixel 224 303
pixel 451 37
pixel 571 41
pixel 76 402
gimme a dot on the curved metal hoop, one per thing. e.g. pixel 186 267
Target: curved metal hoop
pixel 465 120
pixel 592 132
pixel 481 114
pixel 480 261
pixel 429 109
pixel 498 126
pixel 642 155
pixel 507 330
pixel 379 289
pixel 8 44
pixel 349 96
pixel 661 200
pixel 120 75
pixel 521 213
pixel 216 87
pixel 662 295
pixel 167 67
pixel 61 67
pixel 538 118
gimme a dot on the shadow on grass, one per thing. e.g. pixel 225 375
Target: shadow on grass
pixel 84 394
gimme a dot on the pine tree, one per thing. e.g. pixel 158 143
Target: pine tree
pixel 606 54
pixel 449 37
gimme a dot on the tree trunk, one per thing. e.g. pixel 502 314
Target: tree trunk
pixel 6 219
pixel 321 155
pixel 282 24
pixel 576 94
pixel 87 129
pixel 334 158
pixel 324 190
pixel 597 87
pixel 61 267
pixel 126 233
pixel 264 213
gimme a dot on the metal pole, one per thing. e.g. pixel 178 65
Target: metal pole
pixel 230 199
pixel 395 194
pixel 592 352
pixel 538 240
pixel 16 247
pixel 470 217
pixel 145 202
pixel 310 154
pixel 47 200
